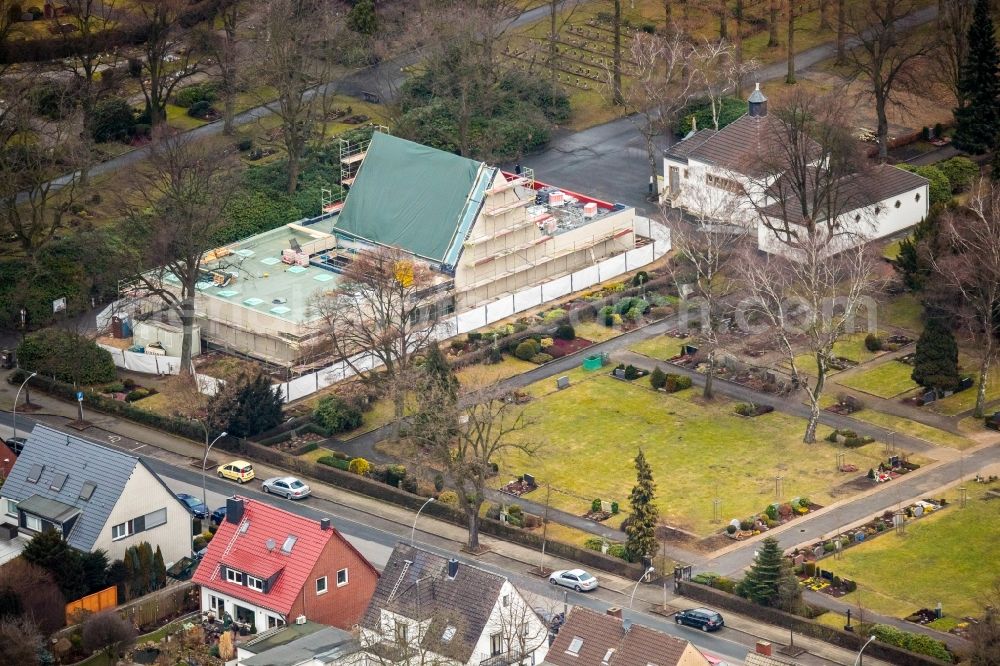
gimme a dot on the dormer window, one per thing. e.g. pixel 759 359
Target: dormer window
pixel 255 583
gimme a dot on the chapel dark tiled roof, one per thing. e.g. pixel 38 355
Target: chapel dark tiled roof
pixel 604 641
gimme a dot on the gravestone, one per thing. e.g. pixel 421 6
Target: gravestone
pixel 826 575
pixel 818 552
pixel 928 397
pixel 918 510
pixel 859 537
pixel 606 506
pixel 562 382
pixel 619 373
pixel 529 479
pixel 798 559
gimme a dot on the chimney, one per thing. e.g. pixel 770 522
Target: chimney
pixel 757 103
pixel 324 524
pixel 764 648
pixel 452 568
pixel 234 510
pixel 615 611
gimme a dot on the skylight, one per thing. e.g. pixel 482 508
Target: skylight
pixel 244 526
pixel 88 490
pixel 607 655
pixel 449 633
pixel 35 473
pixel 575 645
pixel 289 544
pixel 57 481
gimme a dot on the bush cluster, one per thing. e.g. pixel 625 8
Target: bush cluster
pixel 565 332
pixel 527 349
pixel 676 382
pixel 188 96
pixel 873 342
pixel 335 415
pixel 68 357
pixel 919 643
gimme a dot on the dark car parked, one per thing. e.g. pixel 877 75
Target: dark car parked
pixel 16 444
pixel 700 618
pixel 993 422
pixel 219 515
pixel 194 505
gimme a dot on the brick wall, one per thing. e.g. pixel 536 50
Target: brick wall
pixel 339 606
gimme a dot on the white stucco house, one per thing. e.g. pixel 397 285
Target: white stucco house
pixel 96 497
pixel 428 609
pixel 726 174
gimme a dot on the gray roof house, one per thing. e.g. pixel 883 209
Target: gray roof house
pixel 302 644
pixel 427 607
pixel 97 497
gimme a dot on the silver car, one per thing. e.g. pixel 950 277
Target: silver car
pixel 288 487
pixel 578 579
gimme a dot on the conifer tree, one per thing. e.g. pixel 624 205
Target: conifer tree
pixel 159 570
pixel 978 122
pixel 935 362
pixel 439 370
pixel 641 528
pixel 770 580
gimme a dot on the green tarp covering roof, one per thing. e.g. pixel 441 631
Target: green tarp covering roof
pixel 410 196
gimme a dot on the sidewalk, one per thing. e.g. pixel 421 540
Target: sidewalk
pixel 140 440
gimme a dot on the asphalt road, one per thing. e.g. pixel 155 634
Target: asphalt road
pixel 375 538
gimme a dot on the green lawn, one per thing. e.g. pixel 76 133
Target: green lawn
pixel 595 332
pixel 891 251
pixel 662 347
pixel 944 557
pixel 479 375
pixel 178 118
pixel 885 380
pixel 906 426
pixel 591 431
pixel 903 311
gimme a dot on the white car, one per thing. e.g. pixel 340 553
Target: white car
pixel 578 579
pixel 287 486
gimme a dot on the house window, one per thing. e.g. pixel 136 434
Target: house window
pixel 255 583
pixel 685 174
pixel 217 604
pixel 156 519
pixel 234 576
pixel 898 204
pixel 122 530
pixel 400 631
pixel 917 198
pixel 857 218
pixel 33 523
pixel 321 585
pixel 273 622
pixel 506 600
pixel 11 508
pixel 342 578
pixel 877 210
pixel 496 644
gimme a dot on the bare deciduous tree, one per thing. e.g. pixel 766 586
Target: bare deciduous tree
pixel 381 308
pixel 954 18
pixel 166 60
pixel 985 635
pixel 790 38
pixel 108 632
pixel 224 45
pixel 91 20
pixel 665 81
pixel 773 13
pixel 885 56
pixel 706 242
pixel 819 273
pixel 34 151
pixel 971 273
pixel 289 63
pixel 465 439
pixel 172 220
pixel 40 600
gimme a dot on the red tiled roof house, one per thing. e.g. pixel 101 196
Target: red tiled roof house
pixel 268 567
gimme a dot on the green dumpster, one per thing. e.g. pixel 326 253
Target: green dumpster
pixel 593 362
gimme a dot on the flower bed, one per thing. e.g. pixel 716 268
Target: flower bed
pixel 519 486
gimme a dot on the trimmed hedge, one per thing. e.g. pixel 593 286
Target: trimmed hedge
pixel 67 357
pixel 844 639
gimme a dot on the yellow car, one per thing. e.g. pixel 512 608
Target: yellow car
pixel 239 470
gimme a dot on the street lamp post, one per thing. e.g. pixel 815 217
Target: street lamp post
pixel 413 530
pixel 857 659
pixel 13 413
pixel 645 573
pixel 204 462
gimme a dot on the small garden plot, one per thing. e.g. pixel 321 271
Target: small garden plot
pixel 847 353
pixel 903 312
pixel 947 557
pixel 966 400
pixel 885 380
pixel 604 421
